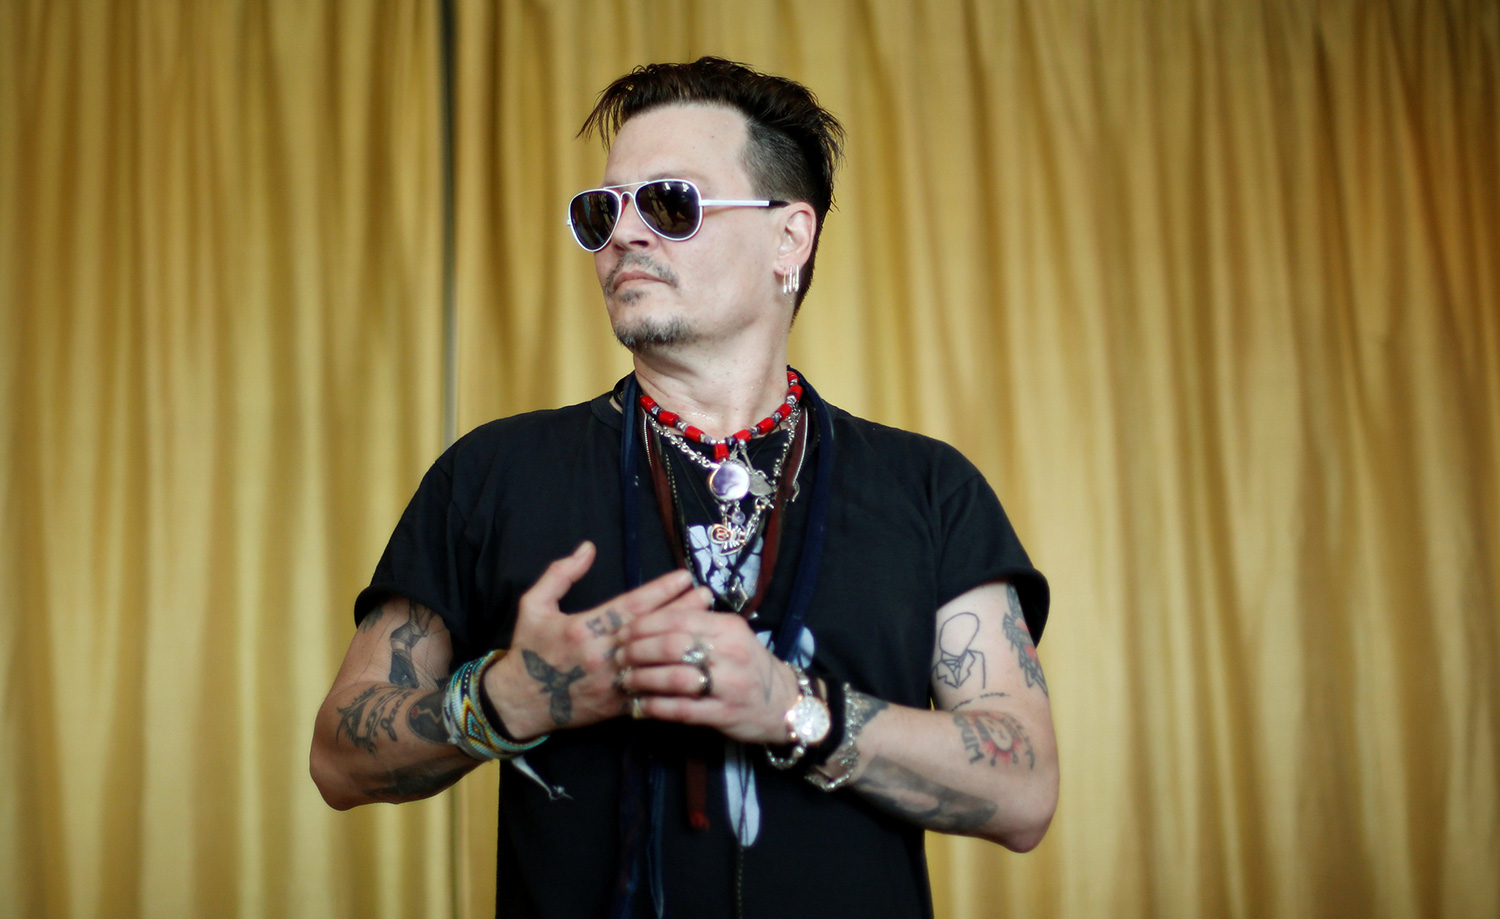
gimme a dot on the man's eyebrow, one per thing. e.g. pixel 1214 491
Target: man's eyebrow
pixel 691 175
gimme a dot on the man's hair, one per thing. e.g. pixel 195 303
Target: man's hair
pixel 794 144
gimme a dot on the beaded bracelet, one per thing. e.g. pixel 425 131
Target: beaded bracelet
pixel 463 714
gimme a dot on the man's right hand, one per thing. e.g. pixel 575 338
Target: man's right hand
pixel 561 669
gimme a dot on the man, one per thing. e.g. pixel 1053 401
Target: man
pixel 728 608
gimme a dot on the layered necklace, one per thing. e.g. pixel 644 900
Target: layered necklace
pixel 731 477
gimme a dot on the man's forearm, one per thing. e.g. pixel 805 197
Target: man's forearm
pixel 383 742
pixel 977 772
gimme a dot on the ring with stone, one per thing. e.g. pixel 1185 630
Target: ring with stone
pixel 697 655
pixel 705 688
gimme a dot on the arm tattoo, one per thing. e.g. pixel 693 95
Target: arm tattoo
pixel 996 737
pixel 1021 643
pixel 425 718
pixel 555 683
pixel 418 626
pixel 915 798
pixel 371 713
pixel 985 695
pixel 956 655
pixel 862 709
pixel 419 781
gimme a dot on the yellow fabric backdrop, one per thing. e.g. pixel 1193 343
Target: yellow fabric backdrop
pixel 1208 290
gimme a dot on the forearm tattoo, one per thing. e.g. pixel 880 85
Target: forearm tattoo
pixel 862 709
pixel 419 780
pixel 555 684
pixel 376 711
pixel 997 737
pixel 404 639
pixel 1020 641
pixel 913 797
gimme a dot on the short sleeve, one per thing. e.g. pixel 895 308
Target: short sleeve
pixel 428 559
pixel 978 545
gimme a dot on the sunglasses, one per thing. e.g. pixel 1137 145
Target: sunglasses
pixel 672 208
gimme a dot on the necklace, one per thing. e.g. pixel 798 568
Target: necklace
pixel 721 445
pixel 735 531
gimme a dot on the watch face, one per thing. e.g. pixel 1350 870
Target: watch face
pixel 810 720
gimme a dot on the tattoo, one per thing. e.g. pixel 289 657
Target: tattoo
pixel 369 621
pixel 861 710
pixel 425 718
pixel 555 683
pixel 996 737
pixel 913 797
pixel 956 655
pixel 606 623
pixel 986 695
pixel 370 714
pixel 406 636
pixel 1020 641
pixel 419 781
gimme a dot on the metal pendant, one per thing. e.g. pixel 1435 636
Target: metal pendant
pixel 729 481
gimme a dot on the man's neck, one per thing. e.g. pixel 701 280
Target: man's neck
pixel 720 397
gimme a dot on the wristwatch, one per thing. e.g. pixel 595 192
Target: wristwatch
pixel 807 722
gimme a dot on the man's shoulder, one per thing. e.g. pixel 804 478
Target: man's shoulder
pixel 895 446
pixel 535 433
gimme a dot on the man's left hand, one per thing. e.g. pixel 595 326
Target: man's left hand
pixel 748 690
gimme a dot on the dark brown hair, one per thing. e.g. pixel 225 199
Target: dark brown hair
pixel 794 144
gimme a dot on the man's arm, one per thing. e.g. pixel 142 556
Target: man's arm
pixel 380 734
pixel 983 764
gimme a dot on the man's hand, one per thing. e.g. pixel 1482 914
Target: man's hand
pixel 562 669
pixel 749 690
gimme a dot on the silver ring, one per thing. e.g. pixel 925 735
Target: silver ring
pixel 697 655
pixel 620 678
pixel 706 688
pixel 637 708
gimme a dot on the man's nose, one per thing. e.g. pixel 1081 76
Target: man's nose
pixel 631 231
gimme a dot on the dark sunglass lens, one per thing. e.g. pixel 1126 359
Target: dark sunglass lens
pixel 594 214
pixel 671 208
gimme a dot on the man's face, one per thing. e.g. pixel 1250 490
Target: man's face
pixel 662 292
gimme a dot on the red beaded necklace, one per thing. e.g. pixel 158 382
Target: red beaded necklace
pixel 721 445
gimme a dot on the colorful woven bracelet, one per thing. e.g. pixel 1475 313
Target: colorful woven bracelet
pixel 463 714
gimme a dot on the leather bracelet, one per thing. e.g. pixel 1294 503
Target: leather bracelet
pixel 845 757
pixel 463 714
pixel 835 697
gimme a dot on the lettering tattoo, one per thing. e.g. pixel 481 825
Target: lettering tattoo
pixel 997 737
pixel 983 695
pixel 1020 641
pixel 371 713
pixel 404 638
pixel 555 684
pixel 606 623
pixel 916 798
pixel 957 659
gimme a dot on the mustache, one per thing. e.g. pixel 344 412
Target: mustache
pixel 637 261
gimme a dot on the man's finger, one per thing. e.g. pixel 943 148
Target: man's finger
pixel 674 585
pixel 561 575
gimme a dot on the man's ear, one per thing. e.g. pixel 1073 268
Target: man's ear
pixel 799 224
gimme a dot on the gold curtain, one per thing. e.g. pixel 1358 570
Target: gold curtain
pixel 1208 290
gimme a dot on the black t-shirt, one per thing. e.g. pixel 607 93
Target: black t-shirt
pixel 912 524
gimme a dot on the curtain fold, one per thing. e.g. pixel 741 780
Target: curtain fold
pixel 1208 290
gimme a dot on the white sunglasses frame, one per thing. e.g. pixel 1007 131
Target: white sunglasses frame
pixel 620 192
